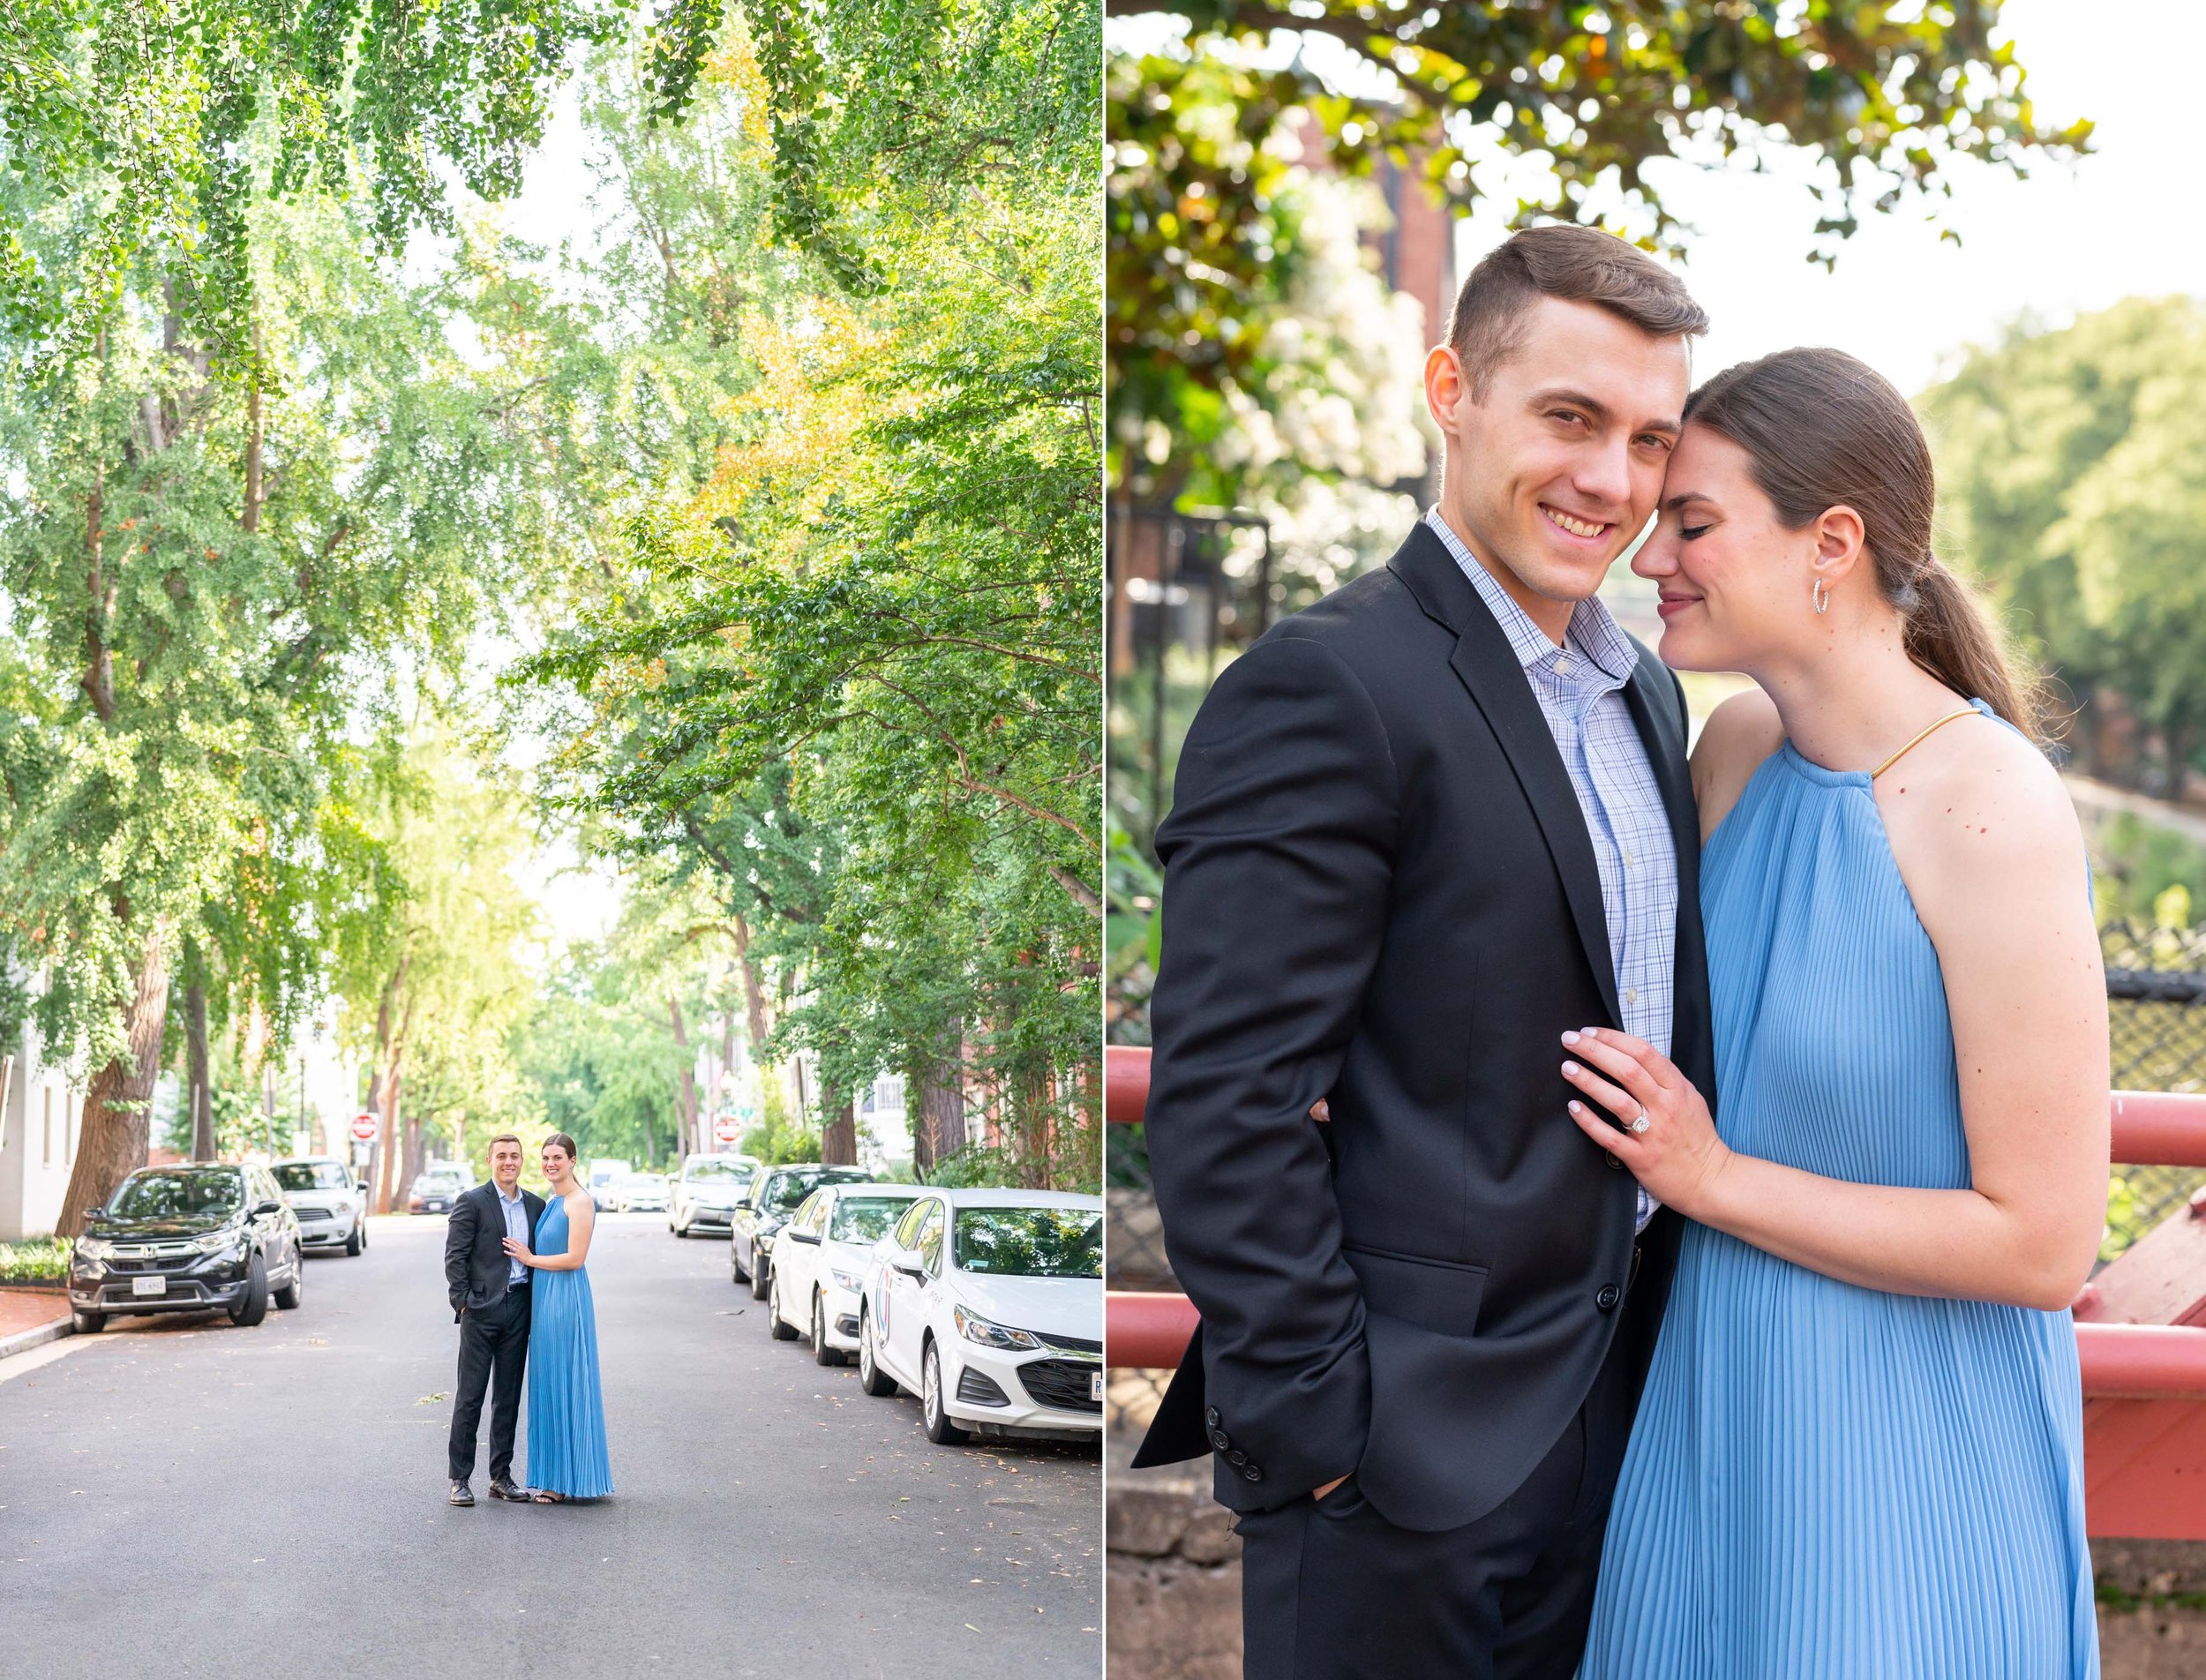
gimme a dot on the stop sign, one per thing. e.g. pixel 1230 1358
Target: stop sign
pixel 727 1131
pixel 365 1128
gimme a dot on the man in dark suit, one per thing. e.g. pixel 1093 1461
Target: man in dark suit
pixel 490 1302
pixel 1421 831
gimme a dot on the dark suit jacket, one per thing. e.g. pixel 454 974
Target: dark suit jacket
pixel 1379 891
pixel 476 1265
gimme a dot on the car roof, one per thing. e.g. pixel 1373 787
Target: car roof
pixel 982 1196
pixel 871 1186
pixel 307 1160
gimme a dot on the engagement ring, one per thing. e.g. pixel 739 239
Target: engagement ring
pixel 1641 1123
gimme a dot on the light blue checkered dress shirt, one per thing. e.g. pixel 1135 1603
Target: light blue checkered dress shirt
pixel 1579 686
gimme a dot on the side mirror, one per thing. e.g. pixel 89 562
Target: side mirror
pixel 262 1209
pixel 813 1237
pixel 906 1261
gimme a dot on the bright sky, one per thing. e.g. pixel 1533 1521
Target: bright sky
pixel 2071 239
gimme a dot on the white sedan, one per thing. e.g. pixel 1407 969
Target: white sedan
pixel 331 1204
pixel 819 1272
pixel 988 1304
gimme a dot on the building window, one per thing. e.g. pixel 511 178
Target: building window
pixel 46 1155
pixel 73 1118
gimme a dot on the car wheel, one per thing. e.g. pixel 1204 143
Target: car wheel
pixel 940 1429
pixel 871 1377
pixel 357 1241
pixel 252 1306
pixel 761 1277
pixel 780 1328
pixel 89 1324
pixel 822 1354
pixel 287 1297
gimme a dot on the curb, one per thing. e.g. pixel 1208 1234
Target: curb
pixel 24 1340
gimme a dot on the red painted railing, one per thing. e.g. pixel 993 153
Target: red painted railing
pixel 2144 1384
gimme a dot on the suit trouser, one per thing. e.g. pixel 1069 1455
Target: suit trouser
pixel 494 1339
pixel 1331 1590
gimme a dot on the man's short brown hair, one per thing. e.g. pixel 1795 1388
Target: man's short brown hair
pixel 505 1137
pixel 1576 264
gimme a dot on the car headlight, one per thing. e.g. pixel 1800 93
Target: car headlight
pixel 974 1328
pixel 849 1280
pixel 93 1248
pixel 218 1242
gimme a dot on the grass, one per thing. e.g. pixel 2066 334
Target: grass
pixel 39 1260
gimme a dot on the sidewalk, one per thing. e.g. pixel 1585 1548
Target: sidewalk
pixel 24 1313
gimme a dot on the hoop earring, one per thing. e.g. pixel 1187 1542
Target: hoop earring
pixel 1822 597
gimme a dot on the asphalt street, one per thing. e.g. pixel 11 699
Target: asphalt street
pixel 183 1497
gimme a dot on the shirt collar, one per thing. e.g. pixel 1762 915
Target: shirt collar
pixel 1593 630
pixel 511 1201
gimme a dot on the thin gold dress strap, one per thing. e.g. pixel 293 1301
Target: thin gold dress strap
pixel 1966 711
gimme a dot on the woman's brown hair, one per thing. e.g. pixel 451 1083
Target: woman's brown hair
pixel 1822 430
pixel 563 1141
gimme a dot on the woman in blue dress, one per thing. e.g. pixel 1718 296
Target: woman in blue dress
pixel 566 1415
pixel 1859 1455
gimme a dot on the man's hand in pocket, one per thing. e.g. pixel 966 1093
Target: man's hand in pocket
pixel 1320 1493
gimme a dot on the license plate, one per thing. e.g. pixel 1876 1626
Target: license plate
pixel 149 1285
pixel 1095 1385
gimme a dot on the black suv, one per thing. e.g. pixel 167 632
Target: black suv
pixel 774 1194
pixel 187 1239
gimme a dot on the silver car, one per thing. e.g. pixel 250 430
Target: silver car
pixel 331 1204
pixel 703 1199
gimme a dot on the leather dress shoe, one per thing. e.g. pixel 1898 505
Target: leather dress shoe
pixel 462 1493
pixel 507 1488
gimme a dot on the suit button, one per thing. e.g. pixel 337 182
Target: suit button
pixel 1210 1415
pixel 1236 1458
pixel 1252 1472
pixel 1607 1298
pixel 1613 1161
pixel 1220 1439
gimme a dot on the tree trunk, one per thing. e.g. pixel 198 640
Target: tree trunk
pixel 686 1083
pixel 411 1167
pixel 199 1092
pixel 383 1083
pixel 754 993
pixel 117 1109
pixel 1035 1111
pixel 838 1138
pixel 938 1129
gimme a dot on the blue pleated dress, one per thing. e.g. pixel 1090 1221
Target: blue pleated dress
pixel 1824 1482
pixel 566 1416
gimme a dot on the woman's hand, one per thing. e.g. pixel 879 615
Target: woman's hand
pixel 521 1251
pixel 1677 1156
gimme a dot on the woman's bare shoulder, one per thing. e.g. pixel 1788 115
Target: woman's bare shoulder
pixel 1737 735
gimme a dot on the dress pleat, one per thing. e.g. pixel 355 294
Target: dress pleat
pixel 1825 1481
pixel 566 1416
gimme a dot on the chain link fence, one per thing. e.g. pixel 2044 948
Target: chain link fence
pixel 2155 996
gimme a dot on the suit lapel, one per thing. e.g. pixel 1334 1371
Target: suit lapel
pixel 1488 666
pixel 1662 731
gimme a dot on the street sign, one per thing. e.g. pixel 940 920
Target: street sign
pixel 727 1131
pixel 365 1128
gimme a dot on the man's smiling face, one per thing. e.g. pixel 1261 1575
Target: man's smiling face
pixel 1558 465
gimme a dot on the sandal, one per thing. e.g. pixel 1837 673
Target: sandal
pixel 546 1496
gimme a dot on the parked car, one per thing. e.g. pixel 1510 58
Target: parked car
pixel 819 1273
pixel 435 1190
pixel 703 1199
pixel 774 1194
pixel 637 1193
pixel 602 1173
pixel 988 1304
pixel 332 1205
pixel 187 1239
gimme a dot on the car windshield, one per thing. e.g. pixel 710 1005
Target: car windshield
pixel 739 1172
pixel 312 1175
pixel 438 1182
pixel 170 1195
pixel 795 1185
pixel 1030 1241
pixel 867 1218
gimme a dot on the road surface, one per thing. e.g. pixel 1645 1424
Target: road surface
pixel 184 1498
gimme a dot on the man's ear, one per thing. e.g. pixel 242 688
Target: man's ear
pixel 1447 387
